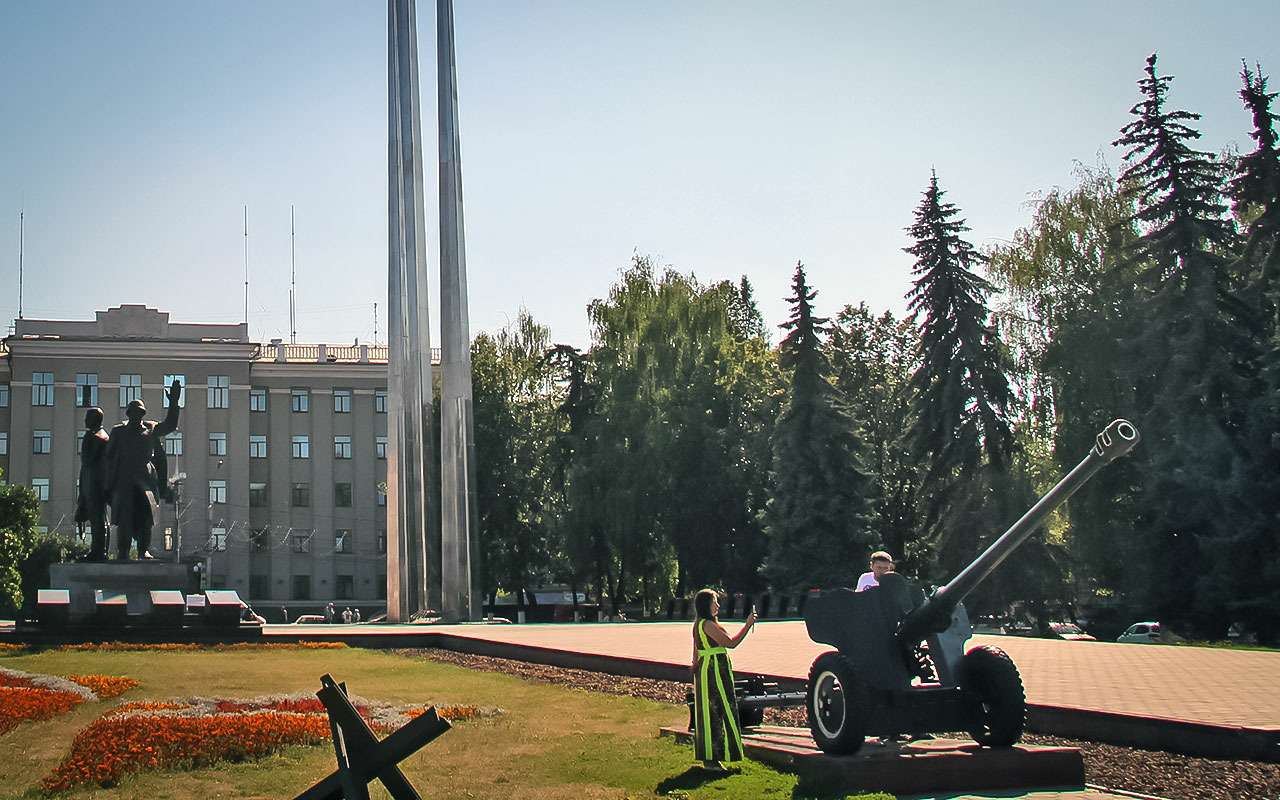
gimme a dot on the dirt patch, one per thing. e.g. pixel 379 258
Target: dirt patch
pixel 1155 772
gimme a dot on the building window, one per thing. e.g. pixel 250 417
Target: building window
pixel 300 497
pixel 218 492
pixel 41 441
pixel 182 388
pixel 300 446
pixel 259 587
pixel 42 388
pixel 219 391
pixel 301 542
pixel 168 539
pixel 342 541
pixel 344 587
pixel 342 495
pixel 380 447
pixel 301 587
pixel 260 540
pixel 4 395
pixel 342 447
pixel 257 495
pixel 218 539
pixel 130 389
pixel 342 401
pixel 4 443
pixel 257 399
pixel 41 487
pixel 217 444
pixel 382 541
pixel 380 401
pixel 86 389
pixel 257 446
pixel 300 400
pixel 173 444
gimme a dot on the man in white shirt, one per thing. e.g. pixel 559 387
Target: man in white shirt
pixel 881 562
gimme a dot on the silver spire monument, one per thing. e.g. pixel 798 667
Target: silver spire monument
pixel 408 333
pixel 459 526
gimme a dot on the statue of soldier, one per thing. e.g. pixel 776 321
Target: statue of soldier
pixel 91 504
pixel 133 484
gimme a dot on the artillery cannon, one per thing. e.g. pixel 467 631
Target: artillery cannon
pixel 900 666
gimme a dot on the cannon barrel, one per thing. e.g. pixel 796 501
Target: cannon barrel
pixel 935 614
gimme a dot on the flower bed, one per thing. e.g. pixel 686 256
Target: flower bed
pixel 26 696
pixel 181 647
pixel 105 686
pixel 197 732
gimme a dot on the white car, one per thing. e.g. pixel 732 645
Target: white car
pixel 1141 633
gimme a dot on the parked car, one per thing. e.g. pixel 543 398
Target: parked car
pixel 309 619
pixel 1141 633
pixel 1070 631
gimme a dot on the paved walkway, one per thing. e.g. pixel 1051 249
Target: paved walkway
pixel 1218 686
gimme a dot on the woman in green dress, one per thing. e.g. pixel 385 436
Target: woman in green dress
pixel 717 734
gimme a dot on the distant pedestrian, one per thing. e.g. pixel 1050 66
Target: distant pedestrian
pixel 329 613
pixel 284 614
pixel 346 616
pixel 717 736
pixel 356 614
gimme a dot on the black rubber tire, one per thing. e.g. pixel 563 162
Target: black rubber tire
pixel 833 705
pixel 750 717
pixel 998 704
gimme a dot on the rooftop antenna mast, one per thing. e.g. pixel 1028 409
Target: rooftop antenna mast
pixel 246 266
pixel 293 283
pixel 21 228
pixel 375 321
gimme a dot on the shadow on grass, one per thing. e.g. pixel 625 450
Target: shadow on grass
pixel 691 778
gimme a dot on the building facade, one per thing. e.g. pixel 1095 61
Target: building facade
pixel 283 447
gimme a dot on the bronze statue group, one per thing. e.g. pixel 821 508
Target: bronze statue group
pixel 717 731
pixel 127 471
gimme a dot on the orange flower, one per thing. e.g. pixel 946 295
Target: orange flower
pixel 105 686
pixel 187 647
pixel 21 703
pixel 199 732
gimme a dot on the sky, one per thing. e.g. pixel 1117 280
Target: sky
pixel 721 138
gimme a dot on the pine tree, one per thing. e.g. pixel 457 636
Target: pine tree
pixel 1185 360
pixel 820 515
pixel 962 436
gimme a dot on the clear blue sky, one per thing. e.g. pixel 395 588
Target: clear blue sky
pixel 721 137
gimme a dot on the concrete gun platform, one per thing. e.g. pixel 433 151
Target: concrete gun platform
pixel 912 768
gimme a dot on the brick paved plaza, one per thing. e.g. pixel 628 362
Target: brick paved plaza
pixel 1218 686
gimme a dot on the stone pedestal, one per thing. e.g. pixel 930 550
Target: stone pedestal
pixel 134 579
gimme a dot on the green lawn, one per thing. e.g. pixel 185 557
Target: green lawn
pixel 551 742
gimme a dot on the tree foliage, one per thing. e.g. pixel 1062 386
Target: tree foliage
pixel 962 432
pixel 820 517
pixel 1185 356
pixel 19 516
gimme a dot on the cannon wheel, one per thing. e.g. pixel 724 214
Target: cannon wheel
pixel 831 705
pixel 999 710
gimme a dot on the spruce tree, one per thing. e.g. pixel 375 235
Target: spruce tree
pixel 1255 190
pixel 962 400
pixel 1253 563
pixel 1185 360
pixel 820 514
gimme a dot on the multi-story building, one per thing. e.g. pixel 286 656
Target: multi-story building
pixel 283 447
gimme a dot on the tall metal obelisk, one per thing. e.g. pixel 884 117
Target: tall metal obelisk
pixel 409 459
pixel 459 525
